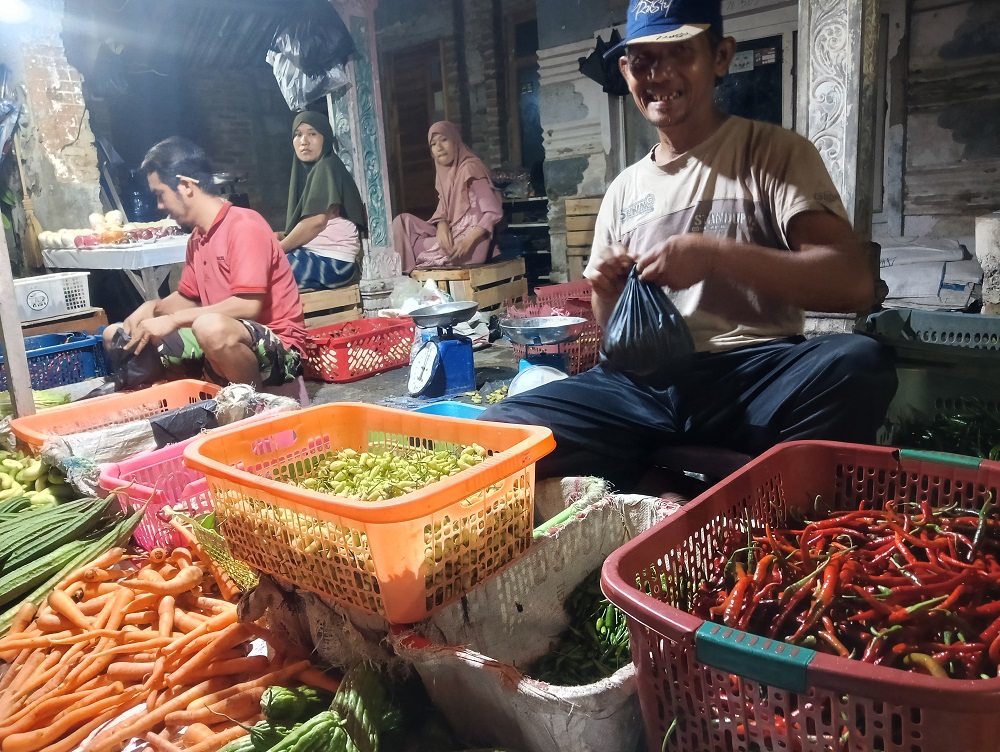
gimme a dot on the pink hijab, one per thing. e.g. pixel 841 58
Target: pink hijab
pixel 452 182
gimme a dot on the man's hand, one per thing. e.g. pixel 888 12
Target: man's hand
pixel 608 269
pixel 680 261
pixel 150 331
pixel 146 311
pixel 444 237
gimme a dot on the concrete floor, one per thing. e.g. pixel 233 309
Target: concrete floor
pixel 494 363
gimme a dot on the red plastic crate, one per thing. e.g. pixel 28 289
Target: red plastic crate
pixel 730 691
pixel 158 479
pixel 357 349
pixel 574 299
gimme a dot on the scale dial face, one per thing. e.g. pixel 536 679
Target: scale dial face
pixel 422 369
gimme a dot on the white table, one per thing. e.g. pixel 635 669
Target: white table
pixel 146 265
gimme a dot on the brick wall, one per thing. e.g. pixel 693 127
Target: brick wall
pixel 246 129
pixel 483 72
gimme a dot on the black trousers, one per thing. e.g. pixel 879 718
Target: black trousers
pixel 834 387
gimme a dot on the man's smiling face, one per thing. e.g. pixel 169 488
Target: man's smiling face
pixel 673 83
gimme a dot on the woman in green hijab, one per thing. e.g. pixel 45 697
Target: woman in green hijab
pixel 325 211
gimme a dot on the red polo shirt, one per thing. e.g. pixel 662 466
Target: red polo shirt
pixel 239 255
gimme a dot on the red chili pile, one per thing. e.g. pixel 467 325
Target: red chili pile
pixel 907 586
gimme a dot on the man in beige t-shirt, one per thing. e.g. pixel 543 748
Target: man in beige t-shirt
pixel 742 226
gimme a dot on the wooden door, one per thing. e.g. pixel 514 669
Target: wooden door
pixel 416 98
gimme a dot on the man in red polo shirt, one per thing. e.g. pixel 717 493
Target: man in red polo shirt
pixel 236 315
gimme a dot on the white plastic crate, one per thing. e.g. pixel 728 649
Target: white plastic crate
pixel 51 295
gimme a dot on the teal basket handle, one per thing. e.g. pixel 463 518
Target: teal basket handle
pixel 944 458
pixel 767 661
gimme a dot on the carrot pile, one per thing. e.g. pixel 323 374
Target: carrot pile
pixel 151 647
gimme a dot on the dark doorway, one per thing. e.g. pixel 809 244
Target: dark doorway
pixel 752 88
pixel 415 86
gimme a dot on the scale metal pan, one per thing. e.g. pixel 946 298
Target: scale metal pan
pixel 544 330
pixel 444 314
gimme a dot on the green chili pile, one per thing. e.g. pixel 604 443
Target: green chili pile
pixel 377 475
pixel 973 430
pixel 595 645
pixel 907 586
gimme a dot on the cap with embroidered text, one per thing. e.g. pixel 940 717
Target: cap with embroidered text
pixel 668 21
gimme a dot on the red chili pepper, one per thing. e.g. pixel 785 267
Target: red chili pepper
pixel 828 590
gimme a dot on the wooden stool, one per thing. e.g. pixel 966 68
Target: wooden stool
pixel 324 307
pixel 581 216
pixel 490 285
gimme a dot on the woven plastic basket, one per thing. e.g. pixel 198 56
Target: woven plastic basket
pixel 713 689
pixel 357 349
pixel 401 559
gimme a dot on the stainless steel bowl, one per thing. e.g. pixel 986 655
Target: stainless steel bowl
pixel 543 330
pixel 444 314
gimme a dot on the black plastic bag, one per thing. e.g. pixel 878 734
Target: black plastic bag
pixel 646 335
pixel 183 422
pixel 130 371
pixel 316 40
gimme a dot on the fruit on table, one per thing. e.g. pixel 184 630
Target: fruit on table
pixel 108 229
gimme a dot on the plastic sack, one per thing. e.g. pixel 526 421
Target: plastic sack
pixel 300 89
pixel 646 335
pixel 316 40
pixel 130 371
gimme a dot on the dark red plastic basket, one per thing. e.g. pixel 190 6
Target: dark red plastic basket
pixel 708 688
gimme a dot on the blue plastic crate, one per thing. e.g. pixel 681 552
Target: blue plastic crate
pixel 59 359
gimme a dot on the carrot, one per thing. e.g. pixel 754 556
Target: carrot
pixel 134 672
pixel 72 741
pixel 137 618
pixel 209 605
pixel 185 621
pixel 40 641
pixel 229 637
pixel 93 606
pixel 167 571
pixel 234 666
pixel 22 619
pixel 240 706
pixel 53 623
pixel 104 561
pixel 44 672
pixel 219 740
pixel 278 676
pixel 227 586
pixel 181 556
pixel 185 580
pixel 27 671
pixel 158 555
pixel 215 624
pixel 196 733
pixel 65 607
pixel 126 729
pixel 319 679
pixel 46 708
pixel 159 744
pixel 40 738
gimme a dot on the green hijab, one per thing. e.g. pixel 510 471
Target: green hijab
pixel 316 186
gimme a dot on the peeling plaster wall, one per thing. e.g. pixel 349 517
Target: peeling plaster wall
pixel 60 156
pixel 953 117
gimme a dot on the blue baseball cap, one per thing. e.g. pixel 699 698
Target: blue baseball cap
pixel 668 21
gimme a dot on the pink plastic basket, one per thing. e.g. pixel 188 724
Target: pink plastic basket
pixel 724 690
pixel 161 479
pixel 572 298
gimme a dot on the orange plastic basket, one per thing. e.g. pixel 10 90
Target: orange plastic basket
pixel 111 410
pixel 730 691
pixel 402 559
pixel 357 349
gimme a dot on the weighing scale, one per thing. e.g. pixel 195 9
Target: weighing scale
pixel 443 365
pixel 537 368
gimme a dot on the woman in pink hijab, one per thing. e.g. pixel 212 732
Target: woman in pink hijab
pixel 468 208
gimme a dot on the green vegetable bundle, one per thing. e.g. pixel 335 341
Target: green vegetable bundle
pixel 595 645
